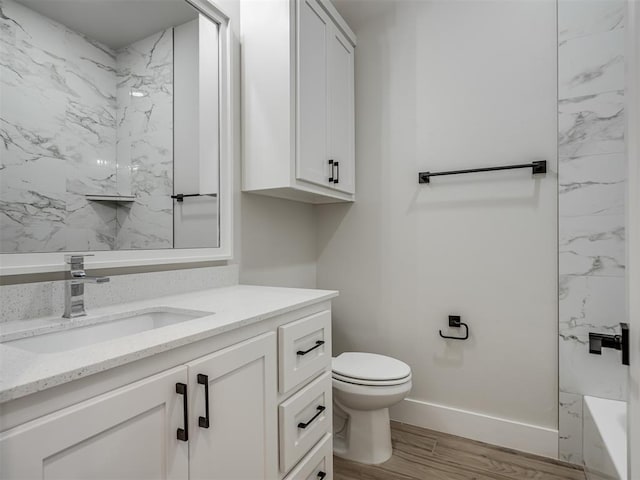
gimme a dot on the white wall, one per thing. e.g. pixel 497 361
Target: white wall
pixel 278 242
pixel 446 85
pixel 274 240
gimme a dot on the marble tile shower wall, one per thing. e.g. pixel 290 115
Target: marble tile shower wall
pixel 145 142
pixel 591 205
pixel 58 122
pixel 65 135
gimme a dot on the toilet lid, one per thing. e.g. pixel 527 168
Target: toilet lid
pixel 371 383
pixel 369 366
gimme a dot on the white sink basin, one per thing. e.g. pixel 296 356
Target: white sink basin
pixel 102 329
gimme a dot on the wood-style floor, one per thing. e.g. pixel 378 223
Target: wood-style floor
pixel 420 454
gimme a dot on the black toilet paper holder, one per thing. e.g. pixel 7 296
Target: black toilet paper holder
pixel 456 322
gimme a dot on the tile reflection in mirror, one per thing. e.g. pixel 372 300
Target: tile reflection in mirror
pixel 85 114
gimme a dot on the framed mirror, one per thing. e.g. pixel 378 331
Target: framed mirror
pixel 116 127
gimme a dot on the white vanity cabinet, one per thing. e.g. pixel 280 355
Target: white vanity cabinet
pixel 213 409
pixel 305 411
pixel 127 433
pixel 139 431
pixel 235 436
pixel 298 101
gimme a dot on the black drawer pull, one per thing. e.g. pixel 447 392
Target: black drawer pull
pixel 304 352
pixel 204 380
pixel 183 433
pixel 337 179
pixel 321 475
pixel 319 409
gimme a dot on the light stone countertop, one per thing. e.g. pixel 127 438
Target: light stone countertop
pixel 23 372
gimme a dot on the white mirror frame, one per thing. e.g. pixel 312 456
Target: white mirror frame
pixel 29 263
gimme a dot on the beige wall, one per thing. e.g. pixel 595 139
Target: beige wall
pixel 445 85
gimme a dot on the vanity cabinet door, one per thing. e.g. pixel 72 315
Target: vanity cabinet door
pixel 130 433
pixel 236 437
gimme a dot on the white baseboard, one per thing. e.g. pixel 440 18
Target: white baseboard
pixel 476 426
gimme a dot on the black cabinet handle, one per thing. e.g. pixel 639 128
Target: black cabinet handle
pixel 183 433
pixel 304 352
pixel 320 409
pixel 204 380
pixel 332 171
pixel 337 178
pixel 321 475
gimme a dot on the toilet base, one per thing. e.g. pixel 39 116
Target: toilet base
pixel 367 436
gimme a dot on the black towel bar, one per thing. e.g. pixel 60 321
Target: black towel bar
pixel 181 196
pixel 536 168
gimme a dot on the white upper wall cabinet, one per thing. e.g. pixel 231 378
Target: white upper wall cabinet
pixel 313 107
pixel 341 111
pixel 298 101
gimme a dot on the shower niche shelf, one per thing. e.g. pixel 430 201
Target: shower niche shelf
pixel 111 198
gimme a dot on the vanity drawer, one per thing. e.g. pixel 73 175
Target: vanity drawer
pixel 318 461
pixel 304 349
pixel 304 419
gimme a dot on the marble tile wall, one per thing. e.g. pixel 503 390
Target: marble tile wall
pixel 58 135
pixel 591 206
pixel 78 118
pixel 145 142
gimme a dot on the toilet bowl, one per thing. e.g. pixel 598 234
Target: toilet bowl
pixel 365 385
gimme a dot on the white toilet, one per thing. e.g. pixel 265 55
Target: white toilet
pixel 365 385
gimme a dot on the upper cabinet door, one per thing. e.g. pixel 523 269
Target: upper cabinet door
pixel 128 433
pixel 235 434
pixel 312 160
pixel 341 111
